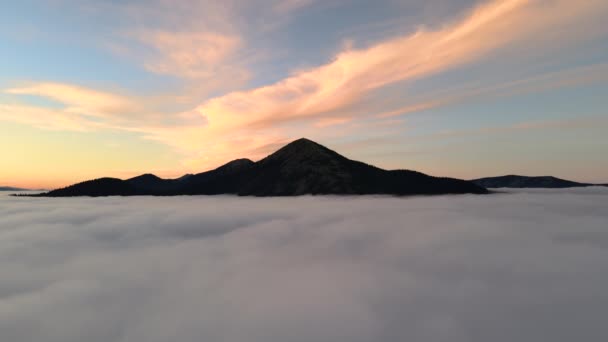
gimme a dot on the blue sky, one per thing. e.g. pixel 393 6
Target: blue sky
pixel 451 88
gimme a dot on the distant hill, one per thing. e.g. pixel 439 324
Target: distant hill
pixel 515 181
pixel 8 188
pixel 299 168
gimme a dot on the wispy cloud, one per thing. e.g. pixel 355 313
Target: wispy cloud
pixel 570 77
pixel 42 117
pixel 248 123
pixel 203 43
pixel 80 100
pixel 354 73
pixel 196 55
pixel 82 108
pixel 284 6
pixel 564 124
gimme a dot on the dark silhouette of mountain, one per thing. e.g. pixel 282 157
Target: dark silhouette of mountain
pixel 8 188
pixel 299 168
pixel 514 181
pixel 149 184
pixel 96 187
pixel 305 167
pixel 226 179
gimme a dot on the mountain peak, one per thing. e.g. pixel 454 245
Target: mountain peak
pixel 303 142
pixel 145 177
pixel 303 149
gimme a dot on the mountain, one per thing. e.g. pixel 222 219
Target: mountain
pixel 305 167
pixel 8 188
pixel 226 179
pixel 514 181
pixel 299 168
pixel 149 184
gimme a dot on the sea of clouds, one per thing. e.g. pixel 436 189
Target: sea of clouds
pixel 517 266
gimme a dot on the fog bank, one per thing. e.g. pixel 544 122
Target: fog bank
pixel 526 265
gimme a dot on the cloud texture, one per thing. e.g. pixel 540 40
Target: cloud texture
pixel 212 50
pixel 521 266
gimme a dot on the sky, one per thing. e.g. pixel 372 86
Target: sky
pixel 459 88
pixel 522 266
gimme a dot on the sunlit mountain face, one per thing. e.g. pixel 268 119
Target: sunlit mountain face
pixel 458 88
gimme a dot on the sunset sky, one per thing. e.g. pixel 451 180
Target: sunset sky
pixel 459 88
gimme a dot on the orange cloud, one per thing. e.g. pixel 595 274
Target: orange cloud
pixel 82 109
pixel 354 73
pixel 42 117
pixel 80 100
pixel 323 91
pixel 248 123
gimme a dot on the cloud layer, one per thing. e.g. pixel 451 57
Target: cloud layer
pixel 521 266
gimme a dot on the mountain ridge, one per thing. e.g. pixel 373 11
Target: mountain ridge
pixel 518 181
pixel 13 188
pixel 302 167
pixel 10 188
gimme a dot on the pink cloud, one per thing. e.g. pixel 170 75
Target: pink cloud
pixel 311 95
pixel 195 55
pixel 249 123
pixel 81 100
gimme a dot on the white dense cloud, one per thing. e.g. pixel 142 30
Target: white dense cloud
pixel 519 266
